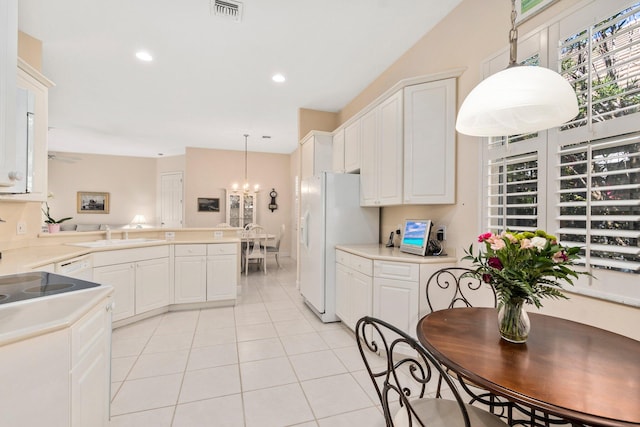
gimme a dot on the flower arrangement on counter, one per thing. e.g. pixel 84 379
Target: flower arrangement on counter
pixel 524 266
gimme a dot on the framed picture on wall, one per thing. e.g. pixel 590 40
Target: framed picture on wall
pixel 93 202
pixel 528 8
pixel 208 204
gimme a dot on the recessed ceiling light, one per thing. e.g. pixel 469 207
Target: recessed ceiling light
pixel 278 78
pixel 144 56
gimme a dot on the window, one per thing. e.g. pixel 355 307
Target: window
pixel 581 181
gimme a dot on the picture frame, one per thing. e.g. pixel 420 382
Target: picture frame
pixel 528 8
pixel 207 204
pixel 93 202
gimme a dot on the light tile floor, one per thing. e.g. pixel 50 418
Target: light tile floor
pixel 268 361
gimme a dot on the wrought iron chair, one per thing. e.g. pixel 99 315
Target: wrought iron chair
pixel 404 381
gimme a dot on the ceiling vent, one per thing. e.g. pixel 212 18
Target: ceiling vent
pixel 228 9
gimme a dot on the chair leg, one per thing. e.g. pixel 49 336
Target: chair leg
pixel 277 260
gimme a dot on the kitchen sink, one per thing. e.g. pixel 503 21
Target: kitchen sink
pixel 114 242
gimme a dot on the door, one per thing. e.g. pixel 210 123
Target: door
pixel 171 200
pixel 122 277
pixel 222 274
pixel 312 253
pixel 190 279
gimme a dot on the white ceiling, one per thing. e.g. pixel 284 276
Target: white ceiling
pixel 210 81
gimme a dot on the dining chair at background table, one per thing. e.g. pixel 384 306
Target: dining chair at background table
pixel 275 248
pixel 255 248
pixel 402 372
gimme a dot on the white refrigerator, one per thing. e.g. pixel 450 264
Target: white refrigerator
pixel 330 215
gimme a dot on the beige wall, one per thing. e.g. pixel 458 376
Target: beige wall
pixel 309 120
pixel 30 50
pixel 210 172
pixel 130 182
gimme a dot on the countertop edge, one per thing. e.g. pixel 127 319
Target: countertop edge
pixel 382 253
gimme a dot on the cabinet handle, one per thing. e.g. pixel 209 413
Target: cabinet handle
pixel 109 306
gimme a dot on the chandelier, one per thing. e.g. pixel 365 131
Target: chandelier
pixel 520 99
pixel 245 187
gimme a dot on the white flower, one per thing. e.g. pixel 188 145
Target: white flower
pixel 539 242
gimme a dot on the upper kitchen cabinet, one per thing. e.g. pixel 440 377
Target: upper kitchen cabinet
pixel 338 151
pixel 8 64
pixel 381 156
pixel 316 153
pixel 429 142
pixel 33 128
pixel 352 144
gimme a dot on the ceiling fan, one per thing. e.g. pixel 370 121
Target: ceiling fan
pixel 65 159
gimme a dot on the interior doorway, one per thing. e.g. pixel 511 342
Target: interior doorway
pixel 171 207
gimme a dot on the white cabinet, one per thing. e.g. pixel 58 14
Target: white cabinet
pixel 315 153
pixel 60 378
pixel 429 142
pixel 190 277
pixel 338 152
pixel 222 271
pixel 395 294
pixel 8 63
pixel 140 278
pixel 352 143
pixel 152 284
pixel 381 160
pixel 91 367
pixel 122 277
pixel 241 208
pixel 35 155
pixel 206 272
pixel 354 287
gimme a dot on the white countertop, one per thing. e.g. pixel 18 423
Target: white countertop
pixel 30 318
pixel 381 252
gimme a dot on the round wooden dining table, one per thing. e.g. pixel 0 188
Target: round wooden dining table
pixel 577 372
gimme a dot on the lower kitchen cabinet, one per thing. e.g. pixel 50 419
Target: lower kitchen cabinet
pixel 374 285
pixel 206 272
pixel 353 288
pixel 141 284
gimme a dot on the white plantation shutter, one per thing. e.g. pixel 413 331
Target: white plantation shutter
pixel 591 165
pixel 598 198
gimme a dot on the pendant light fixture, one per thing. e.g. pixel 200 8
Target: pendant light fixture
pixel 245 187
pixel 520 99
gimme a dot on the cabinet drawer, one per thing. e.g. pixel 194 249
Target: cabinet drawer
pixel 222 249
pixel 397 270
pixel 188 250
pixel 342 257
pixel 363 265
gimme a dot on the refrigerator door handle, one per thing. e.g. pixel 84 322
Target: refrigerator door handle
pixel 304 233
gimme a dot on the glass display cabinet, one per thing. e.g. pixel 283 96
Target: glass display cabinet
pixel 241 208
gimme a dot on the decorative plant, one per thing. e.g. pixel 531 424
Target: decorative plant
pixel 50 220
pixel 524 267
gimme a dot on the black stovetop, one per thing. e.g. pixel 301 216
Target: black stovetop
pixel 23 286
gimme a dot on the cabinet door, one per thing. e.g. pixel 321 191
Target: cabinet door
pixel 369 159
pixel 352 147
pixel 389 153
pixel 361 297
pixel 343 276
pixel 190 279
pixel 338 152
pixel 429 143
pixel 233 208
pixel 123 278
pixel 91 362
pixel 222 277
pixel 152 284
pixel 396 302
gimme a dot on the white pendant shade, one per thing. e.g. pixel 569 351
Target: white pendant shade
pixel 518 100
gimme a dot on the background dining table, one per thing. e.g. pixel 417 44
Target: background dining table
pixel 577 372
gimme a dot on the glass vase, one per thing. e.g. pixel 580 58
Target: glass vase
pixel 514 322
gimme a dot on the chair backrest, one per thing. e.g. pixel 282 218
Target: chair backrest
pixel 401 378
pixel 458 287
pixel 280 236
pixel 257 242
